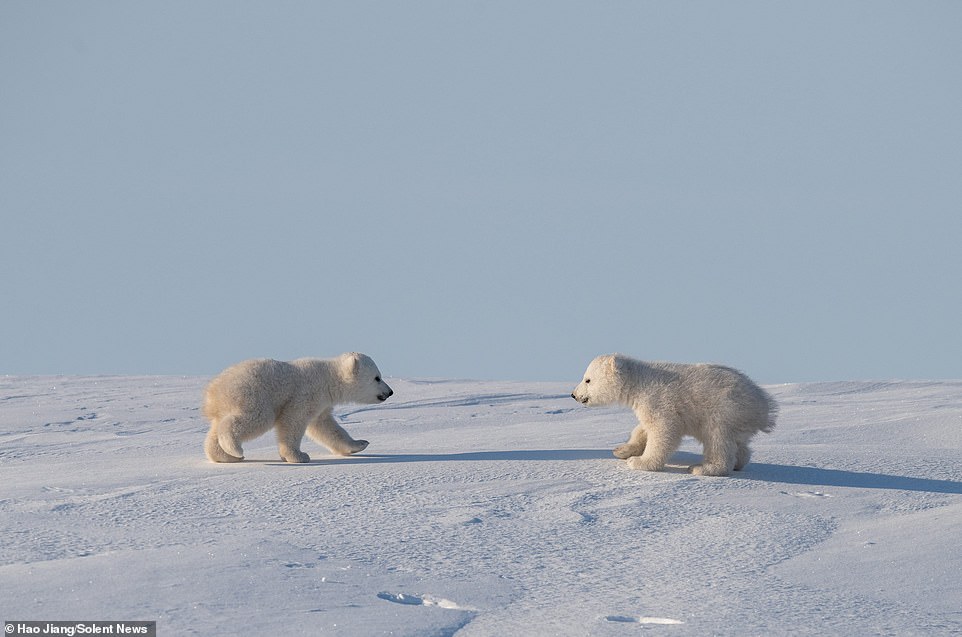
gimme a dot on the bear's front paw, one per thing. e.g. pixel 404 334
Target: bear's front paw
pixel 296 457
pixel 358 446
pixel 644 464
pixel 626 451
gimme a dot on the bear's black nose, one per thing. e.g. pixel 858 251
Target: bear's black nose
pixel 573 396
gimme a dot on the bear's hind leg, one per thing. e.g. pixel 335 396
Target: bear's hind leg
pixel 325 431
pixel 719 456
pixel 213 449
pixel 742 456
pixel 236 428
pixel 230 433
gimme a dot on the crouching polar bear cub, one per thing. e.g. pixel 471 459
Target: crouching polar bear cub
pixel 248 399
pixel 719 406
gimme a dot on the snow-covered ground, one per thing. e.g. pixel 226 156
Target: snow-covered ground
pixel 480 508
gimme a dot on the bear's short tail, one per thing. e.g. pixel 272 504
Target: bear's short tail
pixel 772 413
pixel 214 451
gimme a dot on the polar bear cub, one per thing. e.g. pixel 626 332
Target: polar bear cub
pixel 719 406
pixel 249 398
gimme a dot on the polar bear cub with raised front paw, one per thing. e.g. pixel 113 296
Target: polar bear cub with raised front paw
pixel 719 406
pixel 246 400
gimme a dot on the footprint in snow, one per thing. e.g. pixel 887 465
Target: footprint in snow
pixel 298 565
pixel 807 494
pixel 631 619
pixel 421 600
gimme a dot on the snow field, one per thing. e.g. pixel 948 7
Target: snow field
pixel 481 508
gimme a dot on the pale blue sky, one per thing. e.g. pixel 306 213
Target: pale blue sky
pixel 495 190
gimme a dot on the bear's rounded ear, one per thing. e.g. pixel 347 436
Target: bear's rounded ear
pixel 350 362
pixel 615 363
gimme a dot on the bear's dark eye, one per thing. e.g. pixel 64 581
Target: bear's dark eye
pixel 377 379
pixel 587 380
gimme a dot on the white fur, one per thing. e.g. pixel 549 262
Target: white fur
pixel 719 406
pixel 248 399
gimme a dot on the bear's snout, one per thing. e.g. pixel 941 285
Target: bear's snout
pixel 383 397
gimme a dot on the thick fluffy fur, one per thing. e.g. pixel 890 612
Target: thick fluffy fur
pixel 248 399
pixel 719 406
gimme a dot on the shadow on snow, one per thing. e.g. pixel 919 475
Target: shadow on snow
pixel 814 476
pixel 762 472
pixel 490 456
